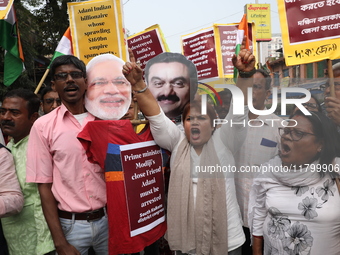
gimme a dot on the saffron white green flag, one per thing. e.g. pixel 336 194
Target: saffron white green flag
pixel 241 32
pixel 10 41
pixel 64 46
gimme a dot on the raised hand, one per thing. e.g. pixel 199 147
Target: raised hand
pixel 245 60
pixel 333 109
pixel 133 73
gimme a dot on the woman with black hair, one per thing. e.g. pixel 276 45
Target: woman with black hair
pixel 295 206
pixel 202 212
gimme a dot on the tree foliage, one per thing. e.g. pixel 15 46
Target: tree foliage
pixel 41 25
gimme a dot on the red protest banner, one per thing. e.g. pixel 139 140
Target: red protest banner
pixel 144 185
pixel 227 39
pixel 310 30
pixel 199 48
pixel 309 20
pixel 211 50
pixel 147 44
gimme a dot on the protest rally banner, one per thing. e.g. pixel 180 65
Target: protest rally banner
pixel 310 30
pixel 199 48
pixel 144 185
pixel 147 44
pixel 211 50
pixel 97 28
pixel 259 14
pixel 5 6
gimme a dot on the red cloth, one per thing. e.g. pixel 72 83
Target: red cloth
pixel 95 138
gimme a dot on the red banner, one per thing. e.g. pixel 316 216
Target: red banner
pixel 199 48
pixel 144 185
pixel 309 20
pixel 146 45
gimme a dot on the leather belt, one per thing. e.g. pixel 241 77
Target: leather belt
pixel 89 216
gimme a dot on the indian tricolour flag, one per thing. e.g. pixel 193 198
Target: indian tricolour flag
pixel 10 41
pixel 241 32
pixel 64 46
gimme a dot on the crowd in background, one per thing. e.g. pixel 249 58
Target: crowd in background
pixel 53 198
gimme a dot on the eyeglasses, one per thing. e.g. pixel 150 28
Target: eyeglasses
pixel 311 105
pixel 118 83
pixel 295 134
pixel 257 87
pixel 52 100
pixel 63 76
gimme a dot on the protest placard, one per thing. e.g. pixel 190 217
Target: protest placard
pixel 144 185
pixel 97 28
pixel 199 48
pixel 225 43
pixel 310 30
pixel 211 50
pixel 147 44
pixel 5 6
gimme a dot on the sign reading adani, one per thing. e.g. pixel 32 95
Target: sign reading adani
pixel 147 44
pixel 144 185
pixel 260 15
pixel 97 28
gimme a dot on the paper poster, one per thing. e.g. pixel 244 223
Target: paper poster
pixel 144 185
pixel 310 30
pixel 226 42
pixel 97 28
pixel 5 6
pixel 147 44
pixel 211 50
pixel 199 48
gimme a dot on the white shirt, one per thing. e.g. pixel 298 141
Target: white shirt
pixel 2 140
pixel 261 144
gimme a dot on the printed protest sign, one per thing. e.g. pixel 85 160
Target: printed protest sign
pixel 225 43
pixel 147 44
pixel 144 185
pixel 5 6
pixel 97 28
pixel 199 48
pixel 310 30
pixel 211 50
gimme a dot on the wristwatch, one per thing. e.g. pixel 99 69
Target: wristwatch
pixel 247 74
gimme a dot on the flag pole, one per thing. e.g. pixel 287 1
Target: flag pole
pixel 42 81
pixel 331 77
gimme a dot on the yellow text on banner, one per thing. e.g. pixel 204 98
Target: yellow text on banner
pixel 97 28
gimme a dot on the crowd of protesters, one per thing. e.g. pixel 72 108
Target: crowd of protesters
pixel 53 195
